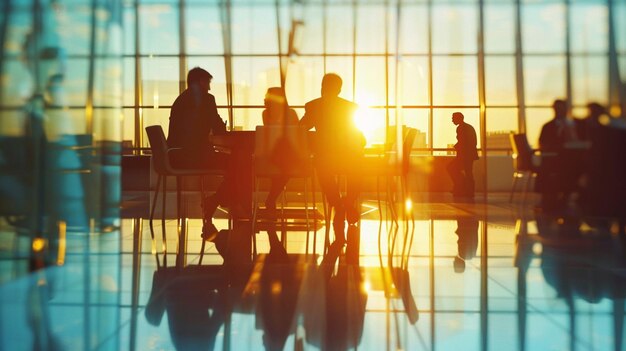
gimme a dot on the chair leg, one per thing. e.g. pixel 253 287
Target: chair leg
pixel 154 201
pixel 526 186
pixel 306 218
pixel 513 187
pixel 201 179
pixel 153 207
pixel 380 211
pixel 164 246
pixel 314 214
pixel 255 210
pixel 327 223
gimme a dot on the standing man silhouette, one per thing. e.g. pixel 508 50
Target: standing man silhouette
pixel 461 168
pixel 339 146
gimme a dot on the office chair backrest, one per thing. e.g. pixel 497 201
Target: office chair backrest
pixel 522 152
pixel 158 145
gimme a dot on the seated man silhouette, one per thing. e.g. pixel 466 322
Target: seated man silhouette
pixel 277 113
pixel 339 146
pixel 193 118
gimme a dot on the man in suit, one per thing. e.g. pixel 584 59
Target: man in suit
pixel 560 167
pixel 339 146
pixel 193 118
pixel 461 168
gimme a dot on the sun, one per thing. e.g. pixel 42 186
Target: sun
pixel 370 121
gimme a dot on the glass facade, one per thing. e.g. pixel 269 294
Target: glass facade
pixel 78 78
pixel 410 62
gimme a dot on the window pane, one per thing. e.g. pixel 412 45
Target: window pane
pixel 12 122
pixel 544 79
pixel 68 121
pixel 203 30
pixel 18 85
pixel 74 29
pixel 413 81
pixel 339 28
pixel 128 82
pixel 417 118
pixel 160 81
pixel 500 80
pixel 107 123
pixel 247 118
pixel 500 122
pixel 310 34
pixel 454 29
pixel 455 81
pixel 254 30
pixel 107 76
pixel 370 29
pixel 499 28
pixel 543 28
pixel 370 81
pixel 304 80
pixel 74 84
pixel 251 78
pixel 589 29
pixel 129 30
pixel 128 124
pixel 589 80
pixel 215 66
pixel 535 119
pixel 619 18
pixel 159 29
pixel 414 29
pixel 444 131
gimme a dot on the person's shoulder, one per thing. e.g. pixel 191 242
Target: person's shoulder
pixel 313 103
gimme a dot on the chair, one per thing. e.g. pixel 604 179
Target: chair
pixel 163 168
pixel 391 165
pixel 523 166
pixel 283 151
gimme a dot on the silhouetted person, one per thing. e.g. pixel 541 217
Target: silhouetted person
pixel 558 131
pixel 588 126
pixel 339 146
pixel 467 243
pixel 193 118
pixel 461 168
pixel 559 171
pixel 277 113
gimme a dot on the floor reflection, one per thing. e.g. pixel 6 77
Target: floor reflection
pixel 475 276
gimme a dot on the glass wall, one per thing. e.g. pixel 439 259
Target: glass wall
pixel 501 62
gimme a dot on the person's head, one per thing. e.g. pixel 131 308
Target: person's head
pixel 560 108
pixel 200 78
pixel 457 118
pixel 275 96
pixel 595 110
pixel 331 84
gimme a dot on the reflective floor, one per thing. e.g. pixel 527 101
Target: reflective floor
pixel 487 275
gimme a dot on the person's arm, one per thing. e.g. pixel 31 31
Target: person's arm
pixel 216 123
pixel 307 121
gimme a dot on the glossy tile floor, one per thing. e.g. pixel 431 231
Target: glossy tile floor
pixel 487 275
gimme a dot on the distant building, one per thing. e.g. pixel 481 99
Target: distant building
pixel 498 140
